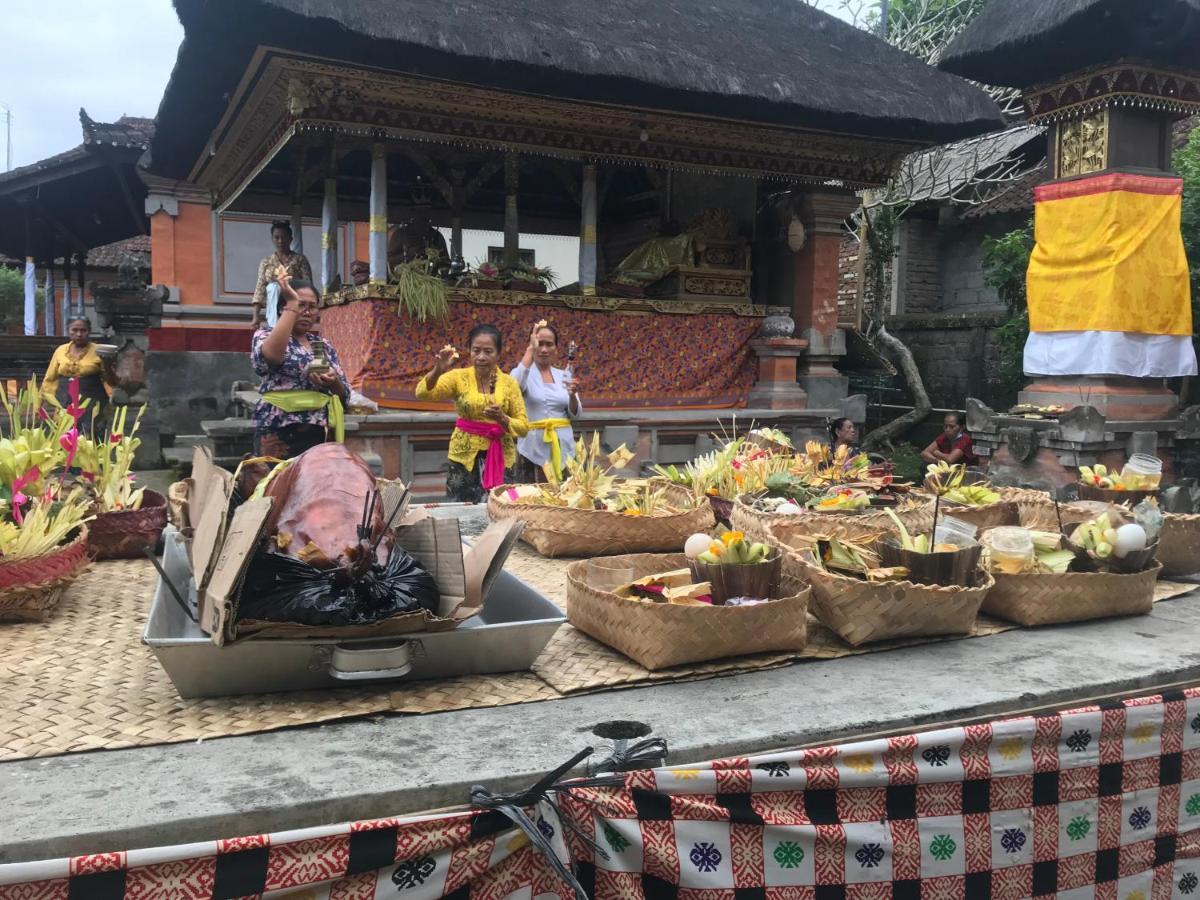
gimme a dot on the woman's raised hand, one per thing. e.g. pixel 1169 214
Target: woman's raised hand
pixel 445 358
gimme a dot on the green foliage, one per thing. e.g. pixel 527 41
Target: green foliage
pixel 1005 263
pixel 907 460
pixel 1187 163
pixel 422 295
pixel 12 298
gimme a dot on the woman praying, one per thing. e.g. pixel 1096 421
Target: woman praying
pixel 552 400
pixel 491 415
pixel 302 393
pixel 267 286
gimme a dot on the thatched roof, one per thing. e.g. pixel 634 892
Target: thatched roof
pixel 776 61
pixel 1021 43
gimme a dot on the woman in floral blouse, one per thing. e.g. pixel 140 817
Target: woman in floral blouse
pixel 266 286
pixel 491 416
pixel 298 407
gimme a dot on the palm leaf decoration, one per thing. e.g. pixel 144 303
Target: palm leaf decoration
pixel 420 294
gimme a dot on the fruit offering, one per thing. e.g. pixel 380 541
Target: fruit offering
pixel 1098 537
pixel 732 548
pixel 972 495
pixel 946 481
pixel 1099 476
pixel 843 500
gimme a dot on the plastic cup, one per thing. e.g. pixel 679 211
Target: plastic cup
pixel 609 575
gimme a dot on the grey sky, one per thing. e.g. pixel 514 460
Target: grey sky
pixel 112 57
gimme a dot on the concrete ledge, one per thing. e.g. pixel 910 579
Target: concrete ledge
pixel 391 765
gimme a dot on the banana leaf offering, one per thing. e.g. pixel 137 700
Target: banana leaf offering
pixel 330 556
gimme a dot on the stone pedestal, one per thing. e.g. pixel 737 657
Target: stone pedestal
pixel 815 304
pixel 776 387
pixel 1116 398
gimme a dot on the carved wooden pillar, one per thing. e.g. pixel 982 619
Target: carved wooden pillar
pixel 378 225
pixel 298 200
pixel 815 306
pixel 66 297
pixel 458 200
pixel 587 232
pixel 48 289
pixel 512 228
pixel 329 227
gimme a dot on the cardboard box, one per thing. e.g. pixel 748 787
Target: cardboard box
pixel 224 546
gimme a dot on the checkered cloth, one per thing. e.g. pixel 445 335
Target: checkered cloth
pixel 1097 802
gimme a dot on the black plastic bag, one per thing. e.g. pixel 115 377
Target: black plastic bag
pixel 279 588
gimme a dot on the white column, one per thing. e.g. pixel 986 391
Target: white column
pixel 48 288
pixel 30 296
pixel 298 227
pixel 587 232
pixel 377 239
pixel 329 233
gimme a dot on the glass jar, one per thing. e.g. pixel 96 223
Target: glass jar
pixel 1011 549
pixel 954 531
pixel 1142 473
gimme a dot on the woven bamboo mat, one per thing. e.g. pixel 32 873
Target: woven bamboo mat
pixel 84 681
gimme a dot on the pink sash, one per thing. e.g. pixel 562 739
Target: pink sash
pixel 493 464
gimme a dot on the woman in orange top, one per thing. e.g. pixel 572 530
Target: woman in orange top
pixel 491 416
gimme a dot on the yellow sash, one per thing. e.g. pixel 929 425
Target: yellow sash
pixel 309 401
pixel 550 436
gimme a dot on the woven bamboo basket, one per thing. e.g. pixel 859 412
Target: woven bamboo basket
pixel 659 635
pixel 556 531
pixel 124 533
pixel 1179 545
pixel 30 589
pixel 862 612
pixel 757 525
pixel 1133 498
pixel 1072 597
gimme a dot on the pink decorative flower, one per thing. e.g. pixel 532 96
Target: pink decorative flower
pixel 115 439
pixel 19 499
pixel 70 443
pixel 74 408
pixel 42 415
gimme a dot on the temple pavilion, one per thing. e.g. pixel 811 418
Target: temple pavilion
pixel 705 157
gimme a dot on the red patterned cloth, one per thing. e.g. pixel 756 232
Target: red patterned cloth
pixel 648 361
pixel 1098 802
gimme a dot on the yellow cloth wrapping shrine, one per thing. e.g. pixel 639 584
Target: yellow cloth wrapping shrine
pixel 1110 257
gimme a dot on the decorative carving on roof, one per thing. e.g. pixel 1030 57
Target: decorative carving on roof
pixel 295 95
pixel 1083 145
pixel 1120 85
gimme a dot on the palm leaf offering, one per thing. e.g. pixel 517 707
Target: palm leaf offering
pixel 421 294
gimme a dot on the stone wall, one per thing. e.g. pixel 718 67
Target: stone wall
pixel 189 386
pixel 960 261
pixel 917 276
pixel 957 355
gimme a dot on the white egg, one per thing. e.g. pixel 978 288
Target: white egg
pixel 789 509
pixel 1130 539
pixel 696 544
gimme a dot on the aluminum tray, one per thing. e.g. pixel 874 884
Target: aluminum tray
pixel 514 627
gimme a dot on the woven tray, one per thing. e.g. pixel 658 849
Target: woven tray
pixel 31 588
pixel 1133 498
pixel 862 612
pixel 1072 597
pixel 555 531
pixel 124 533
pixel 1179 545
pixel 757 525
pixel 659 635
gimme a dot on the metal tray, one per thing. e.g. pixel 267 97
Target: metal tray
pixel 507 636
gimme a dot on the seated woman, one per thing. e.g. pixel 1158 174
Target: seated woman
pixel 78 359
pixel 843 433
pixel 300 403
pixel 552 401
pixel 491 416
pixel 267 286
pixel 953 445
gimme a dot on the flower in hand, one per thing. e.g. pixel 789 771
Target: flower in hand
pixel 494 412
pixel 572 386
pixel 327 380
